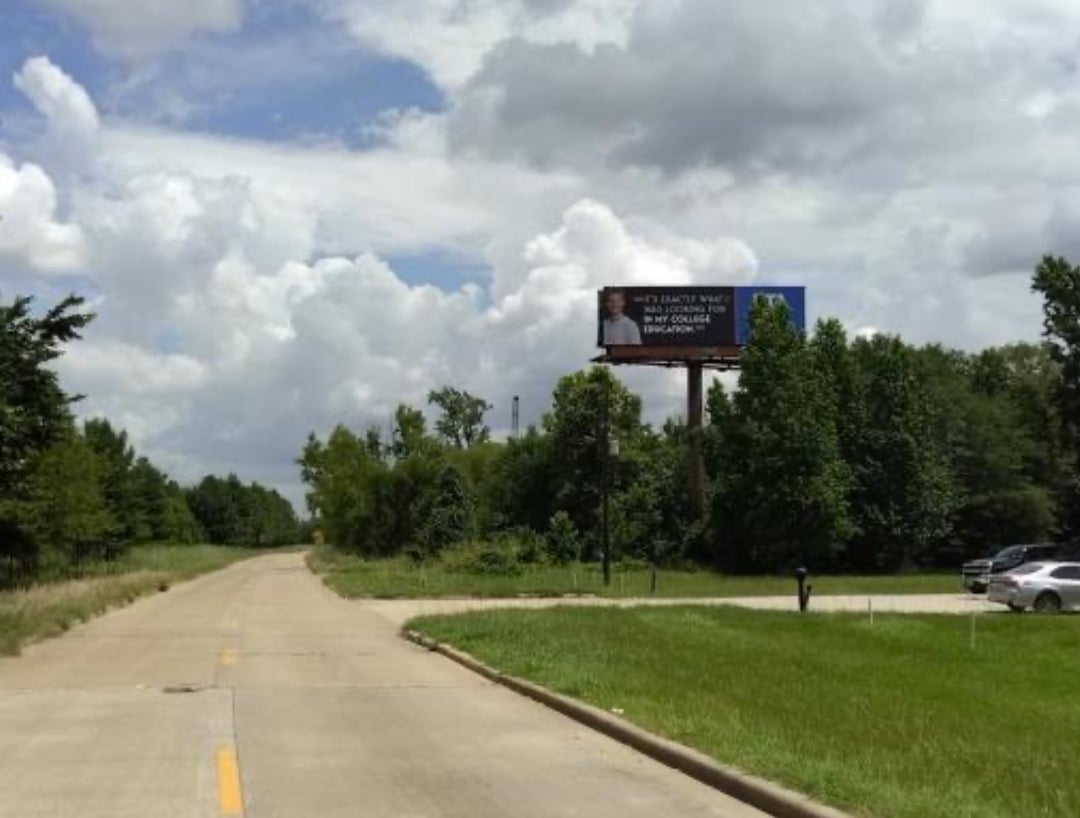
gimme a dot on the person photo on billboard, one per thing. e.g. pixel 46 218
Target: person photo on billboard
pixel 619 328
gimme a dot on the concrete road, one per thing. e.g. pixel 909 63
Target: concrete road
pixel 402 610
pixel 255 691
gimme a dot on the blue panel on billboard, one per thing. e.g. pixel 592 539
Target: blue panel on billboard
pixel 744 300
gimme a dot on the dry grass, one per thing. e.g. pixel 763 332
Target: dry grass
pixel 47 610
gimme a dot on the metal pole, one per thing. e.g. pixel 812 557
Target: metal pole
pixel 515 417
pixel 605 478
pixel 694 414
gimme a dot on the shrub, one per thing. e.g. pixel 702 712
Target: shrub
pixel 529 546
pixel 490 558
pixel 563 540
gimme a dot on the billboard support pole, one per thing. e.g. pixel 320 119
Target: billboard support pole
pixel 694 415
pixel 605 479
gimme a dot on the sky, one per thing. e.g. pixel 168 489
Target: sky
pixel 291 214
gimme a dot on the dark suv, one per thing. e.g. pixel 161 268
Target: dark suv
pixel 976 573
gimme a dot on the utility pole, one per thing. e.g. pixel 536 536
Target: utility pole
pixel 515 417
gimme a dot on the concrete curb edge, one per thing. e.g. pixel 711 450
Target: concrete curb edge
pixel 757 792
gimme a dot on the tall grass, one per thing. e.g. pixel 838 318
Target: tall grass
pixel 50 608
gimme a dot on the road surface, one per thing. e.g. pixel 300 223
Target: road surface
pixel 255 691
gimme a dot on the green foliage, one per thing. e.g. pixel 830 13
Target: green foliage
pixel 574 428
pixel 903 490
pixel 781 486
pixel 462 421
pixel 34 415
pixel 866 455
pixel 66 510
pixel 410 432
pixel 500 557
pixel 563 540
pixel 443 514
pixel 522 485
pixel 1059 284
pixel 33 409
pixel 232 513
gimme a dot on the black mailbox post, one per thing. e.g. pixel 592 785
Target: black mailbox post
pixel 804 590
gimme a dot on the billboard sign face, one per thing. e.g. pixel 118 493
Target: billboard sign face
pixel 708 317
pixel 794 297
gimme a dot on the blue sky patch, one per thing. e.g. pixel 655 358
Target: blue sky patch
pixel 444 270
pixel 286 76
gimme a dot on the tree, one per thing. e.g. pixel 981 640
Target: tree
pixel 410 432
pixel 574 429
pixel 67 512
pixel 903 491
pixel 462 421
pixel 33 409
pixel 118 462
pixel 443 512
pixel 781 488
pixel 342 476
pixel 990 420
pixel 1059 284
pixel 522 486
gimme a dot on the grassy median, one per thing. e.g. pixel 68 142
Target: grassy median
pixel 351 576
pixel 898 719
pixel 49 609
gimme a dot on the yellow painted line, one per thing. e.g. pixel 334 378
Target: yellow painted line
pixel 229 794
pixel 228 656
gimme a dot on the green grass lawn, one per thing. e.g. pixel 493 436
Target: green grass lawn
pixel 899 719
pixel 354 577
pixel 48 609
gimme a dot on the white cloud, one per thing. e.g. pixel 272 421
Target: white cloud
pixel 57 97
pixel 245 291
pixel 150 26
pixel 270 353
pixel 30 233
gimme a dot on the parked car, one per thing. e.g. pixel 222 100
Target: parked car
pixel 1047 587
pixel 976 573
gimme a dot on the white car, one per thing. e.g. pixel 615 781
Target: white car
pixel 1047 587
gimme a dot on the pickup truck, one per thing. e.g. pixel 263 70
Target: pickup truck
pixel 976 573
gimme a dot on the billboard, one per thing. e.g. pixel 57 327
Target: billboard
pixel 686 316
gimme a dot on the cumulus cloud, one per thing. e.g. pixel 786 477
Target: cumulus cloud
pixel 451 38
pixel 248 292
pixel 30 234
pixel 743 84
pixel 269 353
pixel 154 26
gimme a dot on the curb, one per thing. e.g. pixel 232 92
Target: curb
pixel 757 792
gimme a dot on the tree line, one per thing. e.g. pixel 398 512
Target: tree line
pixel 845 454
pixel 72 494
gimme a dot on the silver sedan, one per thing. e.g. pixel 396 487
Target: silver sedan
pixel 1047 587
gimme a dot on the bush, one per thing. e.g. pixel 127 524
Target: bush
pixel 508 554
pixel 529 546
pixel 489 558
pixel 563 540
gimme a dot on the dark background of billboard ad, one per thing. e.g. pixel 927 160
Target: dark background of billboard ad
pixel 677 316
